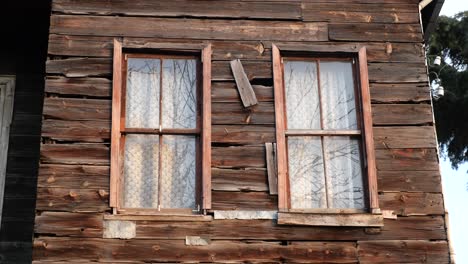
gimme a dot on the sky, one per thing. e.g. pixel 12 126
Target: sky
pixel 455 182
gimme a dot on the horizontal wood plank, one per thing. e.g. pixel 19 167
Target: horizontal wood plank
pixel 73 176
pixel 375 32
pixel 72 200
pixel 399 93
pixel 236 114
pixel 89 225
pixel 187 28
pixel 404 137
pixel 244 201
pixel 313 219
pixel 226 92
pixel 407 160
pixel 96 46
pixel 403 251
pixel 402 114
pixel 99 87
pixel 238 134
pixel 397 72
pixel 238 157
pixel 69 224
pixel 84 154
pixel 406 203
pixel 77 109
pixel 83 131
pixel 182 8
pixel 409 181
pixel 60 249
pixel 239 180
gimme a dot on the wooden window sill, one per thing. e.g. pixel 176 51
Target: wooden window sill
pixel 160 217
pixel 324 219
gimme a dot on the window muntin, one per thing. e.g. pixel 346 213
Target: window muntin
pixel 323 135
pixel 161 136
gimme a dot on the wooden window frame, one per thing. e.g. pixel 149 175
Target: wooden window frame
pixel 365 118
pixel 203 182
pixel 6 115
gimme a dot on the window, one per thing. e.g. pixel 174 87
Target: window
pixel 160 132
pixel 325 154
pixel 7 89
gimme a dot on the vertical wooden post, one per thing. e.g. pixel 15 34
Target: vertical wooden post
pixel 206 134
pixel 115 134
pixel 368 132
pixel 280 127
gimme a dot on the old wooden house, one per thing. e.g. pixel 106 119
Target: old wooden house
pixel 202 131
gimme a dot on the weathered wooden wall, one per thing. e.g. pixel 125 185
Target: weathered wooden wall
pixel 23 50
pixel 73 181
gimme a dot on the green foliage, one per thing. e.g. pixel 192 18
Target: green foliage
pixel 450 41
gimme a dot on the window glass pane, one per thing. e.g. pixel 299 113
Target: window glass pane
pixel 178 171
pixel 142 100
pixel 337 89
pixel 179 94
pixel 141 165
pixel 306 174
pixel 344 172
pixel 302 101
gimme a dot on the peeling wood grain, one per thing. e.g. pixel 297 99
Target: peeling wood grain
pixel 243 215
pixel 182 8
pixel 187 28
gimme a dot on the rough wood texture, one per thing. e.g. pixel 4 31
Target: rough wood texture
pixel 182 8
pixel 410 181
pixel 270 149
pixel 73 194
pixel 404 137
pixel 403 251
pixel 60 249
pixel 187 28
pixel 246 91
pixel 366 220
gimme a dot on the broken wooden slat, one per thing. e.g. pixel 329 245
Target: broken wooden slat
pixel 270 149
pixel 369 220
pixel 246 91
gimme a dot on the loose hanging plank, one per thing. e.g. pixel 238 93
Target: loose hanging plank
pixel 246 91
pixel 271 167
